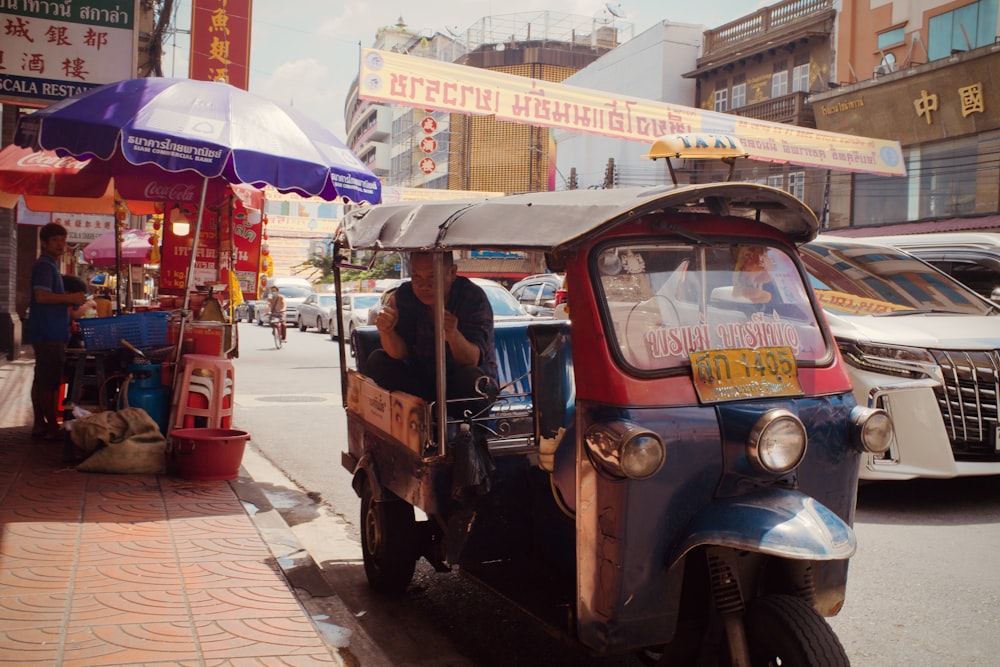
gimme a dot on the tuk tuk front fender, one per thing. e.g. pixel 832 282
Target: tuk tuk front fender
pixel 778 522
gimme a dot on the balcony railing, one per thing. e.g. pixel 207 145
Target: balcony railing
pixel 759 23
pixel 793 109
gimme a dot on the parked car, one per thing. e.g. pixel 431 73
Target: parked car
pixel 355 311
pixel 295 291
pixel 537 293
pixel 318 310
pixel 503 303
pixel 971 258
pixel 245 311
pixel 919 344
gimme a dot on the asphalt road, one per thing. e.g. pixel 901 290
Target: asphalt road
pixel 923 590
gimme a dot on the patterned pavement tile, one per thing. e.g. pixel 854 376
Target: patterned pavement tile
pixel 19 612
pixel 34 578
pixel 101 531
pixel 128 577
pixel 127 607
pixel 244 603
pixel 99 645
pixel 126 551
pixel 31 646
pixel 222 574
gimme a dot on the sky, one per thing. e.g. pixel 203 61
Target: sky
pixel 304 53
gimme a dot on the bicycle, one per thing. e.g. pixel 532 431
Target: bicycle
pixel 277 329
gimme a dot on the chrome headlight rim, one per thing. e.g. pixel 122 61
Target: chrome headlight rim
pixel 774 449
pixel 625 450
pixel 872 429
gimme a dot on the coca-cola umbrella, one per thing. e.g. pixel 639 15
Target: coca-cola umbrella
pixel 213 129
pixel 136 246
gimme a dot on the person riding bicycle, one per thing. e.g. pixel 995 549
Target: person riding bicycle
pixel 276 308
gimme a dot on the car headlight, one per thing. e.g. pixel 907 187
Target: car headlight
pixel 907 362
pixel 777 442
pixel 872 429
pixel 625 449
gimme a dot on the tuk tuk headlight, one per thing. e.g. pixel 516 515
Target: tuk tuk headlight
pixel 872 429
pixel 625 449
pixel 777 442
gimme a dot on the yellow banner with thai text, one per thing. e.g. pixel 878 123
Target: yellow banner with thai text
pixel 424 83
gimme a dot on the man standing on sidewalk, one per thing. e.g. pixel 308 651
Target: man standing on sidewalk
pixel 48 328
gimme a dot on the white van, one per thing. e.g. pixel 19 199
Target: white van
pixel 920 345
pixel 970 257
pixel 294 289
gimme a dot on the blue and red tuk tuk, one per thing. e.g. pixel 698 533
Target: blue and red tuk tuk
pixel 670 471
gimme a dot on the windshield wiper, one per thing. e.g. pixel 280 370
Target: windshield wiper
pixel 916 311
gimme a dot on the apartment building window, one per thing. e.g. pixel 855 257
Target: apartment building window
pixel 776 181
pixel 739 98
pixel 800 78
pixel 779 84
pixel 797 183
pixel 892 37
pixel 721 100
pixel 973 25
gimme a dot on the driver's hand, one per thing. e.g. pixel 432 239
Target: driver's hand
pixel 450 325
pixel 386 319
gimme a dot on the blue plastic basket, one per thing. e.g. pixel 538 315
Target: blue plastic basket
pixel 139 329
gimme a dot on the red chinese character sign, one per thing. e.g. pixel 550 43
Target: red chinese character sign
pixel 428 144
pixel 175 256
pixel 220 41
pixel 428 124
pixel 53 50
pixel 428 165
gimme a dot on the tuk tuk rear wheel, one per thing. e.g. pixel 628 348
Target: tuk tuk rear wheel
pixel 786 630
pixel 388 542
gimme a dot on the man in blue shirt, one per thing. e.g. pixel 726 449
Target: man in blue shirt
pixel 406 330
pixel 48 328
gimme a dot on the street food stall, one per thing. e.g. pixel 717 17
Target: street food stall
pixel 220 137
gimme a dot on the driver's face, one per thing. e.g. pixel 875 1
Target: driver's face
pixel 422 278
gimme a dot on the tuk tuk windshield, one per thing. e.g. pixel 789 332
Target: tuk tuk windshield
pixel 667 300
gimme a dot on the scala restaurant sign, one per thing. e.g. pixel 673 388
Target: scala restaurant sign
pixel 53 50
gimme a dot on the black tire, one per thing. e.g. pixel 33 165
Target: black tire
pixel 319 324
pixel 786 630
pixel 388 542
pixel 302 325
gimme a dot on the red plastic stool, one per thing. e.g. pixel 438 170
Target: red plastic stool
pixel 204 392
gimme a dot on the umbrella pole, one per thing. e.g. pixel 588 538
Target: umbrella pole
pixel 185 313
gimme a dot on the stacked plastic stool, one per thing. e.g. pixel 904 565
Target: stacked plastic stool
pixel 204 392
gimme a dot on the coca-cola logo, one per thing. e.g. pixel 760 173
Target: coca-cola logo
pixel 156 191
pixel 51 161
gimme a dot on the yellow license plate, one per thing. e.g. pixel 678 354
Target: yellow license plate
pixel 729 375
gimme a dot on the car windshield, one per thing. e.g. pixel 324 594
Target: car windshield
pixel 366 301
pixel 502 302
pixel 665 301
pixel 327 300
pixel 858 279
pixel 294 291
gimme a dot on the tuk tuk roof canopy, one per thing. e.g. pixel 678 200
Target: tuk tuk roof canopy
pixel 556 221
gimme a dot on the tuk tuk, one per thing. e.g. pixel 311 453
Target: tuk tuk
pixel 671 471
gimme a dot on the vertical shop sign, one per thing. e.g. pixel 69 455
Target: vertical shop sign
pixel 53 50
pixel 175 255
pixel 220 41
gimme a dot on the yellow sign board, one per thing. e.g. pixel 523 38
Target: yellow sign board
pixel 729 375
pixel 395 78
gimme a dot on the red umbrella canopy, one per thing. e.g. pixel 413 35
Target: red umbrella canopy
pixel 135 248
pixel 25 171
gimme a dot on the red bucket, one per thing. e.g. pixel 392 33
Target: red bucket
pixel 208 453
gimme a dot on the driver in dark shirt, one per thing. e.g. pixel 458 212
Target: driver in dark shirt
pixel 406 330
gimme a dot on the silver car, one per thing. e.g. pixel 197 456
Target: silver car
pixel 319 311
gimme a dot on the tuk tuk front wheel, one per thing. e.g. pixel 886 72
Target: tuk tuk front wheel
pixel 388 542
pixel 786 630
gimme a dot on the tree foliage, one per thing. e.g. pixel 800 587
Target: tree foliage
pixel 384 267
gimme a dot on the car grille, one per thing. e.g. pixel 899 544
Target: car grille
pixel 968 401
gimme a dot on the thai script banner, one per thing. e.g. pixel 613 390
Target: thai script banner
pixel 220 41
pixel 53 50
pixel 424 83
